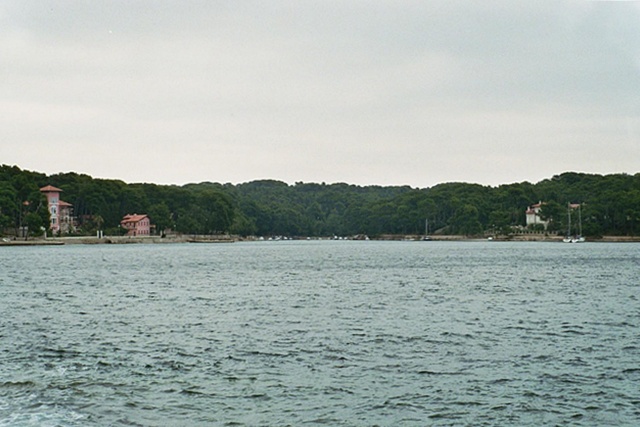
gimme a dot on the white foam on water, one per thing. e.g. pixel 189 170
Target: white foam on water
pixel 42 417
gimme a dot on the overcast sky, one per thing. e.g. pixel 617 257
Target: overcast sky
pixel 387 92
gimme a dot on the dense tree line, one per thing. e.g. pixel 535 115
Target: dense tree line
pixel 610 204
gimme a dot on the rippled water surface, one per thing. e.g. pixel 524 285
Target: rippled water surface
pixel 320 333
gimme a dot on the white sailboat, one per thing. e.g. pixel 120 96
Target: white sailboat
pixel 426 237
pixel 578 238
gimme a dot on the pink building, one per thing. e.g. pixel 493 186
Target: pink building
pixel 60 212
pixel 136 225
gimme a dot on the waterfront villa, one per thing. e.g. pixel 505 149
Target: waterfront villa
pixel 136 225
pixel 533 215
pixel 60 212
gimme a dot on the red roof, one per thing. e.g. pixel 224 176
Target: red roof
pixel 50 189
pixel 133 218
pixel 63 203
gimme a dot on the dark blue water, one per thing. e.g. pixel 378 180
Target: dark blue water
pixel 320 333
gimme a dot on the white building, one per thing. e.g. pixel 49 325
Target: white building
pixel 533 215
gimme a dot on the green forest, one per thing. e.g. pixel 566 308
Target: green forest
pixel 610 205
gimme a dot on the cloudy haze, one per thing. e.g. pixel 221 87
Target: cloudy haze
pixel 383 92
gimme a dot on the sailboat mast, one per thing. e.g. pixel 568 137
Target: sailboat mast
pixel 569 219
pixel 580 219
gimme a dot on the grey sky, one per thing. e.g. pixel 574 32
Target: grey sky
pixel 386 92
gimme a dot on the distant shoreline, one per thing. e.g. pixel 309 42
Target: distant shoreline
pixel 92 240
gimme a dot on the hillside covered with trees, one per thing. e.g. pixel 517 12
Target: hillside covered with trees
pixel 610 205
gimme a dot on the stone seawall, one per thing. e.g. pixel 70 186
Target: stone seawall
pixel 120 240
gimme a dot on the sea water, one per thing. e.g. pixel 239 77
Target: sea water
pixel 320 333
